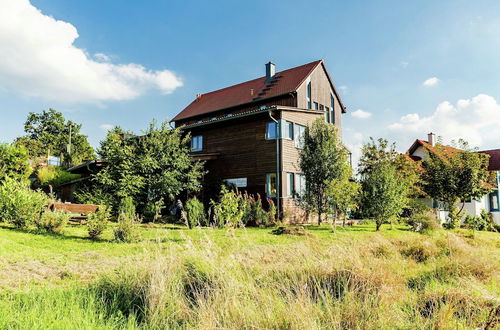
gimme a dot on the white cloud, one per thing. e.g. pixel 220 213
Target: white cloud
pixel 361 114
pixel 403 64
pixel 38 58
pixel 476 120
pixel 106 127
pixel 431 82
pixel 344 89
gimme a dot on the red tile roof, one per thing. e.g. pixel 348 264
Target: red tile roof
pixel 494 159
pixel 285 82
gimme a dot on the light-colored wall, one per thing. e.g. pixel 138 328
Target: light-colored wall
pixel 420 152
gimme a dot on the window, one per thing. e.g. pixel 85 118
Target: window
pixel 271 131
pixel 321 107
pixel 309 92
pixel 316 106
pixel 197 143
pixel 271 185
pixel 290 184
pixel 300 184
pixel 288 133
pixel 298 135
pixel 327 114
pixel 332 106
pixel 494 201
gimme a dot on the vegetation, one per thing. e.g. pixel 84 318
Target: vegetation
pixel 453 176
pixel 322 160
pixel 126 231
pixel 423 222
pixel 14 162
pixel 227 210
pixel 54 176
pixel 53 221
pixel 48 133
pixel 247 278
pixel 194 213
pixel 97 222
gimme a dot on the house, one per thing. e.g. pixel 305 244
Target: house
pixel 85 170
pixel 419 151
pixel 249 134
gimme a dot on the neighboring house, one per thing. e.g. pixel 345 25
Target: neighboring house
pixel 250 134
pixel 85 170
pixel 420 150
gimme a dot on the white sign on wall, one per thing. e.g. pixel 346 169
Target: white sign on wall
pixel 238 182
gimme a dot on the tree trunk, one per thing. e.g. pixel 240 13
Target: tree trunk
pixel 319 218
pixel 378 224
pixel 343 220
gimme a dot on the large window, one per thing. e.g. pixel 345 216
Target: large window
pixel 332 107
pixel 300 184
pixel 298 135
pixel 197 143
pixel 288 130
pixel 494 205
pixel 290 184
pixel 309 92
pixel 271 130
pixel 271 185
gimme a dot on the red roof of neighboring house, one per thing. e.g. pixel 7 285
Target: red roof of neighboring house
pixel 494 159
pixel 286 81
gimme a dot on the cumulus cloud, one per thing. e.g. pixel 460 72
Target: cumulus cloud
pixel 361 114
pixel 38 58
pixel 431 82
pixel 106 127
pixel 476 120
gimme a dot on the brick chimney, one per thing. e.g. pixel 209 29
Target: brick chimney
pixel 270 70
pixel 431 138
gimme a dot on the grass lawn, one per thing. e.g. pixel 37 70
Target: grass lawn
pixel 249 278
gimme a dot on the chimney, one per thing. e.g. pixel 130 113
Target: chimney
pixel 198 96
pixel 431 138
pixel 270 70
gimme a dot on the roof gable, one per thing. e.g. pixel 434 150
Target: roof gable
pixel 284 82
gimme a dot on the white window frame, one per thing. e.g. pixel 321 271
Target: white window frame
pixel 268 131
pixel 327 114
pixel 288 130
pixel 268 184
pixel 298 135
pixel 332 107
pixel 196 143
pixel 290 184
pixel 300 183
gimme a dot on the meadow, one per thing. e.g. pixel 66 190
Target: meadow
pixel 249 278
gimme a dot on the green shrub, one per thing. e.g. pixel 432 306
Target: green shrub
pixel 272 214
pixel 423 222
pixel 54 176
pixel 53 221
pixel 194 213
pixel 126 231
pixel 97 222
pixel 152 210
pixel 19 204
pixel 227 212
pixel 253 212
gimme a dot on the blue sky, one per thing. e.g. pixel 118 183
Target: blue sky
pixel 403 68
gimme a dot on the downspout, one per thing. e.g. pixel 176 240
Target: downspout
pixel 278 186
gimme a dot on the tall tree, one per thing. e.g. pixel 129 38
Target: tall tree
pixel 149 168
pixel 48 132
pixel 322 159
pixel 14 162
pixel 453 176
pixel 388 180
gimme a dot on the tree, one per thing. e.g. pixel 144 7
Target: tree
pixel 387 179
pixel 322 160
pixel 342 194
pixel 14 162
pixel 455 175
pixel 149 168
pixel 48 132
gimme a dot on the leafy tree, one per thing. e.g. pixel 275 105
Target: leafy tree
pixel 322 160
pixel 14 162
pixel 48 132
pixel 453 176
pixel 149 168
pixel 387 181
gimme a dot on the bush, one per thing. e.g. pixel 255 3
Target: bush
pixel 54 176
pixel 97 222
pixel 53 221
pixel 253 212
pixel 423 222
pixel 126 230
pixel 20 205
pixel 152 210
pixel 227 212
pixel 194 213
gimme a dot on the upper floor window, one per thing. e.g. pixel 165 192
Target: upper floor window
pixel 309 95
pixel 197 143
pixel 316 106
pixel 327 114
pixel 288 130
pixel 332 106
pixel 271 131
pixel 299 135
pixel 271 187
pixel 321 107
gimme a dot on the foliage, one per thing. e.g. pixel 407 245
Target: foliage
pixel 152 210
pixel 14 162
pixel 387 181
pixel 93 194
pixel 227 211
pixel 322 160
pixel 54 176
pixel 194 213
pixel 253 211
pixel 423 222
pixel 97 222
pixel 48 132
pixel 453 176
pixel 272 213
pixel 53 221
pixel 20 205
pixel 126 231
pixel 480 222
pixel 148 168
